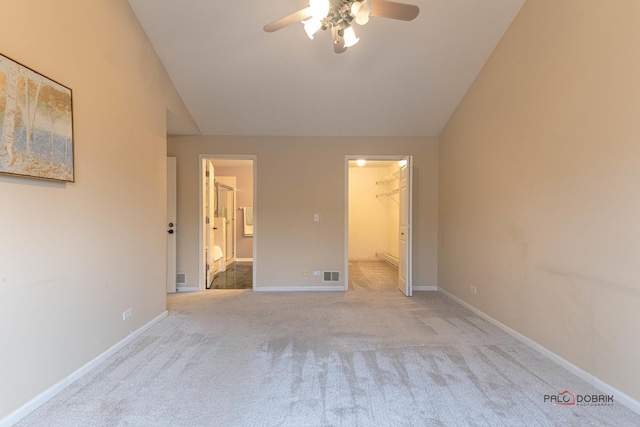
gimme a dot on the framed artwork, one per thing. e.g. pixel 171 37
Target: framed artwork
pixel 36 124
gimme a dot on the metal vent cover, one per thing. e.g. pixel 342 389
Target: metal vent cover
pixel 330 276
pixel 181 278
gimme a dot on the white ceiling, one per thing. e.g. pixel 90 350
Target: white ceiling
pixel 402 79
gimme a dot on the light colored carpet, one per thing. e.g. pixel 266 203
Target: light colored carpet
pixel 372 276
pixel 239 358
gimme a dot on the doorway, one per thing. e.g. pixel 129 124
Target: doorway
pixel 378 223
pixel 228 222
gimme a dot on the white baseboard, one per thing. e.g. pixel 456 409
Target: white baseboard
pixel 244 259
pixel 425 288
pixel 299 289
pixel 388 258
pixel 325 288
pixel 187 289
pixel 620 397
pixel 52 391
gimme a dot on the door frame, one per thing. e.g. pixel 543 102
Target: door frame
pixel 201 244
pixel 378 157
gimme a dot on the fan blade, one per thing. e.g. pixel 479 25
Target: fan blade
pixel 298 16
pixel 338 41
pixel 393 10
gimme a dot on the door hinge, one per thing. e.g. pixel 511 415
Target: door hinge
pixel 206 174
pixel 207 221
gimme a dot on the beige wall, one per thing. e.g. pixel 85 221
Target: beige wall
pixel 371 217
pixel 539 202
pixel 74 256
pixel 244 198
pixel 298 177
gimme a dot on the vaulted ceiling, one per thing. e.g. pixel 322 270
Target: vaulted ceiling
pixel 401 79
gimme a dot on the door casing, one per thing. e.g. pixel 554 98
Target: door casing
pixel 201 244
pixel 409 219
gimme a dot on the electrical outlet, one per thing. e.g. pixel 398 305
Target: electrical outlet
pixel 316 217
pixel 473 289
pixel 127 314
pixel 306 273
pixel 317 273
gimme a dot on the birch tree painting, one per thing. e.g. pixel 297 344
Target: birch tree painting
pixel 36 124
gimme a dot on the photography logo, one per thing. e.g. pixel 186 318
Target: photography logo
pixel 568 398
pixel 564 398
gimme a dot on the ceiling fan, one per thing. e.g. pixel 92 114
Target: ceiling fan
pixel 338 15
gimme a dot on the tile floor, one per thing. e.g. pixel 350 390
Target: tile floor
pixel 238 275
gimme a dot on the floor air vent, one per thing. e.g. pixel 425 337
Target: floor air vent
pixel 330 276
pixel 181 278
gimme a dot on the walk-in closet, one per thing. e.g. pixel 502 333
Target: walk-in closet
pixel 374 216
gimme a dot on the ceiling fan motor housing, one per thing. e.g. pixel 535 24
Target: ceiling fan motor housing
pixel 342 13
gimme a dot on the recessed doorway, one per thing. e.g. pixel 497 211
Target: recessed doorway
pixel 379 223
pixel 228 222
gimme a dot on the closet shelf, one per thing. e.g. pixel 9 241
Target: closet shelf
pixel 389 178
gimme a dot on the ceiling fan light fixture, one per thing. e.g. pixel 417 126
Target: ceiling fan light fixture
pixel 350 38
pixel 361 10
pixel 319 9
pixel 339 15
pixel 312 26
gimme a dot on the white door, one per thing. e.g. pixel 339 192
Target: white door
pixel 171 224
pixel 405 264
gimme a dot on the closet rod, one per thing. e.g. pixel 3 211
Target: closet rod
pixel 389 193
